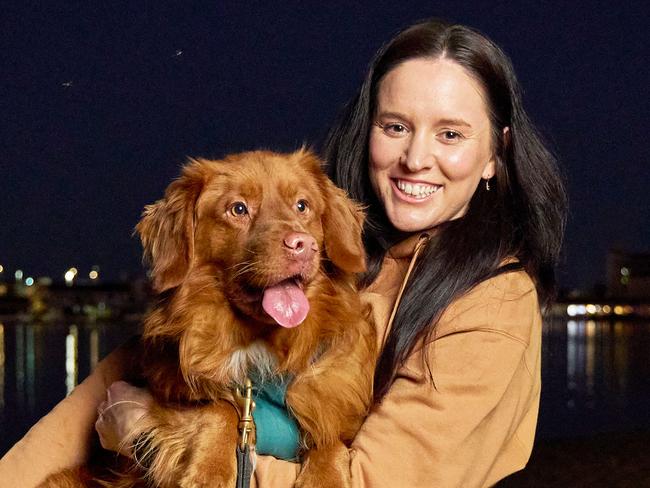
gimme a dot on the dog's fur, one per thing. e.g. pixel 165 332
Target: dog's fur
pixel 210 265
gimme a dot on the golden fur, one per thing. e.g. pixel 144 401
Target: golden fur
pixel 210 265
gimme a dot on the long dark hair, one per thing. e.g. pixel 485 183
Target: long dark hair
pixel 522 216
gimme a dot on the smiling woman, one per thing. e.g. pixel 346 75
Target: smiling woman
pixel 430 143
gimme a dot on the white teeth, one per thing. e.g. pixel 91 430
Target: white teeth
pixel 417 190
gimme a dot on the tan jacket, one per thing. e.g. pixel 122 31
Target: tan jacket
pixel 473 428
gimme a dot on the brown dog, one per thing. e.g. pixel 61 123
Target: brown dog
pixel 254 257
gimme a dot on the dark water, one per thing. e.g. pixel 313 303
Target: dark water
pixel 595 377
pixel 41 364
pixel 596 374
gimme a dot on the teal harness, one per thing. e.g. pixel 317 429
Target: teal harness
pixel 276 428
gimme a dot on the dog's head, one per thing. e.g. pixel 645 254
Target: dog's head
pixel 264 223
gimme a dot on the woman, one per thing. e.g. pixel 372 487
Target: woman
pixel 465 214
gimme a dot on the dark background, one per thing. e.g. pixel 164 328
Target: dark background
pixel 102 101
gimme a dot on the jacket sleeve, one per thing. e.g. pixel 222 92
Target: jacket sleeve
pixel 471 426
pixel 62 438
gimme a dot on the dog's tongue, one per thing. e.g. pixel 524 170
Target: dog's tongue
pixel 286 303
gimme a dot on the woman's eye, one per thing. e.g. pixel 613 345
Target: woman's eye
pixel 302 206
pixel 397 129
pixel 451 136
pixel 238 209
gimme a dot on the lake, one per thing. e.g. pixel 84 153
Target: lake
pixel 595 374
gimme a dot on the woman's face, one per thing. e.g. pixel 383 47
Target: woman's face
pixel 430 143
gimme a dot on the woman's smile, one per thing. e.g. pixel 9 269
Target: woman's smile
pixel 414 189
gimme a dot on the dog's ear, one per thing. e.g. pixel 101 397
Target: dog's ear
pixel 167 228
pixel 342 227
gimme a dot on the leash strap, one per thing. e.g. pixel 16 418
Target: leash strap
pixel 244 467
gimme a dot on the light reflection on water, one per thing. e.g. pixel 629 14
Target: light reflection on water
pixel 595 377
pixel 40 363
pixel 71 359
pixel 595 374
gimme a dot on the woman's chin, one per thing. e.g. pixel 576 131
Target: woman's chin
pixel 411 225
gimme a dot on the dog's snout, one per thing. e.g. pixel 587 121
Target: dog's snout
pixel 300 245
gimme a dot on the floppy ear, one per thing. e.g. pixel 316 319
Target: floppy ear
pixel 342 227
pixel 167 228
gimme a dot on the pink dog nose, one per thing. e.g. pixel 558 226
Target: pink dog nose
pixel 301 245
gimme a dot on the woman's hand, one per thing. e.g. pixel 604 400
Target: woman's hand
pixel 117 424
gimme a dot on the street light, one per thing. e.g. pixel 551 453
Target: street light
pixel 70 275
pixel 94 273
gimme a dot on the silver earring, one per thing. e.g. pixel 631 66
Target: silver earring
pixel 487 184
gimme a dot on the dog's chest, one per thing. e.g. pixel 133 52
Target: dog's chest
pixel 257 356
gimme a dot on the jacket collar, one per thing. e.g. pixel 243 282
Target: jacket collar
pixel 406 248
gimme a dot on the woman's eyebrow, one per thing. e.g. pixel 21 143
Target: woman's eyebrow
pixel 456 122
pixel 396 115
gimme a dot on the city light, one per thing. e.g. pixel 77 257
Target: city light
pixel 94 272
pixel 70 275
pixel 573 310
pixel 18 274
pixel 591 309
pixel 29 281
pixel 1 268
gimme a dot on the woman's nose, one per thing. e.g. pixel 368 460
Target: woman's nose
pixel 419 154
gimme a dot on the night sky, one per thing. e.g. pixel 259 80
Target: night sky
pixel 101 102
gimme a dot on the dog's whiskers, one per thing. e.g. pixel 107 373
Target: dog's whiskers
pixel 240 269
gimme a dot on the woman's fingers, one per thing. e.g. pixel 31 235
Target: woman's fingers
pixel 101 407
pixel 118 416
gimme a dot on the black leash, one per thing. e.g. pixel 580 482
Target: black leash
pixel 244 467
pixel 245 407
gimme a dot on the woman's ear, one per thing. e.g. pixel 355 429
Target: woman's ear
pixel 342 228
pixel 490 168
pixel 167 228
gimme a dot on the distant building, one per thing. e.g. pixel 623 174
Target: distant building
pixel 93 300
pixel 99 300
pixel 628 275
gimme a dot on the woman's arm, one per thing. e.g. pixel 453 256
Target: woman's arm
pixel 475 424
pixel 63 437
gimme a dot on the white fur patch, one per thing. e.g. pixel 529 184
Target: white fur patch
pixel 255 357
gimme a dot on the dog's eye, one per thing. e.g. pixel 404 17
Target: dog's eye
pixel 238 209
pixel 302 206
